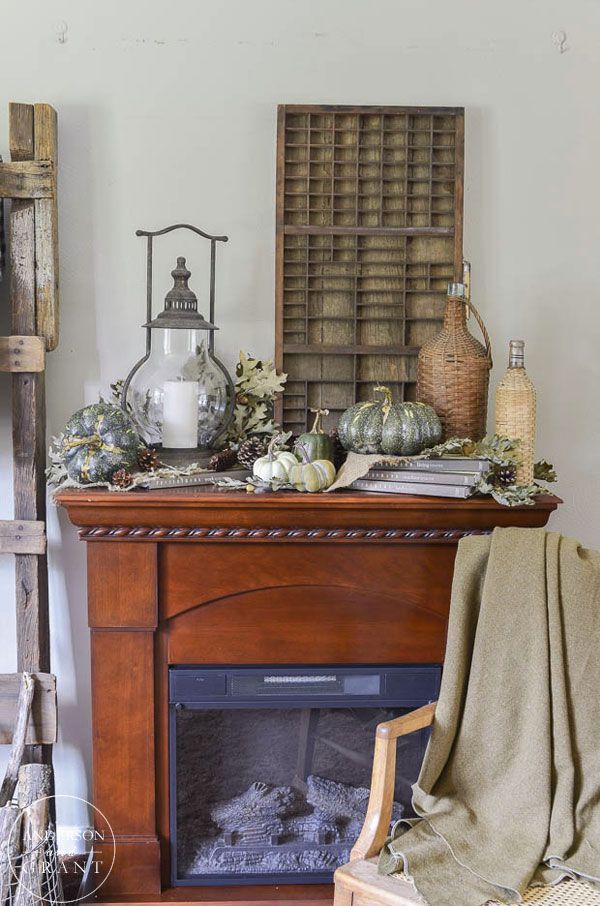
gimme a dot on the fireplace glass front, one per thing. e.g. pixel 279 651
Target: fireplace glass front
pixel 270 767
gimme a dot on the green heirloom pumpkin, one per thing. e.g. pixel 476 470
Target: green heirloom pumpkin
pixel 318 445
pixel 97 441
pixel 382 426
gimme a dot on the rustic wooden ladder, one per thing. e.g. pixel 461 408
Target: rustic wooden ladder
pixel 29 180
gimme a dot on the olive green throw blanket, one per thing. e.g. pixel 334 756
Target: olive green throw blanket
pixel 509 791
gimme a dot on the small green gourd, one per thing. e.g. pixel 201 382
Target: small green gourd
pixel 318 444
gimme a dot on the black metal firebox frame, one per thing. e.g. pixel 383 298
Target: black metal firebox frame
pixel 277 686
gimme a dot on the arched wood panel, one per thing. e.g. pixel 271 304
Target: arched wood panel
pixel 307 624
pixel 416 574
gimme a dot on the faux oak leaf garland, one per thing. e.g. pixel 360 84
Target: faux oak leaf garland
pixel 498 451
pixel 257 385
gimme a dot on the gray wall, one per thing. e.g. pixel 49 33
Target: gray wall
pixel 167 113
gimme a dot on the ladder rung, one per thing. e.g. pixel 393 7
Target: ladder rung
pixel 27 179
pixel 21 536
pixel 19 354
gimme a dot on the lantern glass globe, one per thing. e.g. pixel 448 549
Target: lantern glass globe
pixel 178 395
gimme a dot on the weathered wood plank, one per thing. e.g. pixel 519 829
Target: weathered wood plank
pixel 22 537
pixel 46 230
pixel 42 724
pixel 22 354
pixel 27 179
pixel 33 642
pixel 21 131
pixel 22 258
pixel 459 198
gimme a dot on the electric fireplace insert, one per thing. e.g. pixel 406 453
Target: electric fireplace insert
pixel 270 766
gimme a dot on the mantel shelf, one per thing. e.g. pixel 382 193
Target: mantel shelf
pixel 215 507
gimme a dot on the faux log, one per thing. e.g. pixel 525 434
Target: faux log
pixel 35 786
pixel 9 841
pixel 18 743
pixel 41 726
pixel 9 850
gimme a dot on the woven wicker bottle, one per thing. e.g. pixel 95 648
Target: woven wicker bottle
pixel 516 407
pixel 453 371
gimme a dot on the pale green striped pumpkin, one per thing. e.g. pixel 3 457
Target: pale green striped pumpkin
pixel 311 476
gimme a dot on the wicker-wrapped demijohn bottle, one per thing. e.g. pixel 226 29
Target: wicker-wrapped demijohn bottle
pixel 516 409
pixel 453 371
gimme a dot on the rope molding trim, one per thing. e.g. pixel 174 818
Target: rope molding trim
pixel 261 533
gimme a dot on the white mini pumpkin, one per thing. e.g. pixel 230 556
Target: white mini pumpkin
pixel 274 464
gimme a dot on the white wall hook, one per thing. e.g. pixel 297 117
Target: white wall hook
pixel 559 39
pixel 61 32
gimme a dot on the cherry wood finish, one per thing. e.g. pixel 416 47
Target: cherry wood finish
pixel 213 507
pixel 123 735
pixel 122 586
pixel 206 576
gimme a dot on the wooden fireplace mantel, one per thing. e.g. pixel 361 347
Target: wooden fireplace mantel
pixel 191 507
pixel 208 576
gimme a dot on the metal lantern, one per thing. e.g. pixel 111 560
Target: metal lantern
pixel 180 394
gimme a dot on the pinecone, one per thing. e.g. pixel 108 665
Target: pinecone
pixel 339 452
pixel 249 451
pixel 502 476
pixel 222 460
pixel 121 478
pixel 148 459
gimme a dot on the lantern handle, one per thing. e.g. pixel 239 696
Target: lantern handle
pixel 213 254
pixel 150 234
pixel 181 226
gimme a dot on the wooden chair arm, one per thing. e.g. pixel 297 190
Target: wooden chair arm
pixel 379 812
pixel 408 723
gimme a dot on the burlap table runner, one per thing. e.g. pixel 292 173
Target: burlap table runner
pixel 357 465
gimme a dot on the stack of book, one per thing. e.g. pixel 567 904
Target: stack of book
pixel 153 483
pixel 446 476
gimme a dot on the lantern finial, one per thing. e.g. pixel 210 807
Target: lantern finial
pixel 181 297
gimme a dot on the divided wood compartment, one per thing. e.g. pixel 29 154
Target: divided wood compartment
pixel 369 233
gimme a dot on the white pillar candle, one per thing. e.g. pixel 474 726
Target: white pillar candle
pixel 180 414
